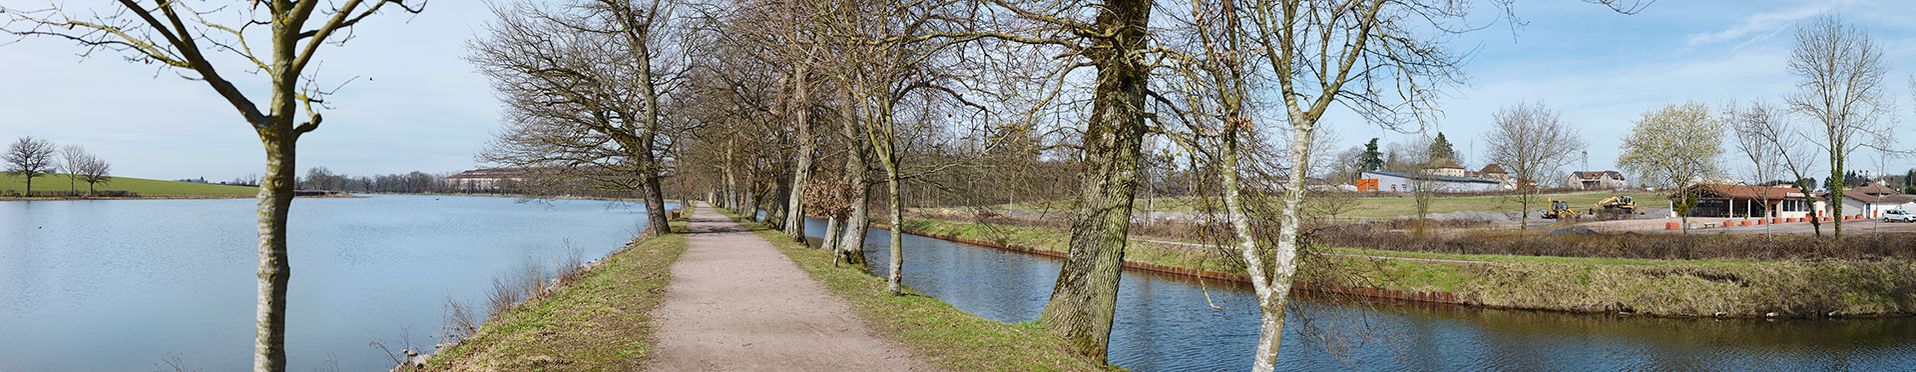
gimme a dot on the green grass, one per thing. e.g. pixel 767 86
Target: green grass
pixel 1733 287
pixel 1056 240
pixel 934 330
pixel 1377 207
pixel 602 321
pixel 144 187
pixel 1388 206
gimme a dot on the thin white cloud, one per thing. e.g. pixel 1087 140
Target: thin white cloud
pixel 1764 23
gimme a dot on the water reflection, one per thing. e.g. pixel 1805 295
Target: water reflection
pixel 1164 323
pixel 127 284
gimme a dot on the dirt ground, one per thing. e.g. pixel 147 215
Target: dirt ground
pixel 1716 225
pixel 737 304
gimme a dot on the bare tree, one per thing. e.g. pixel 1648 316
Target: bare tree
pixel 582 92
pixel 95 171
pixel 1532 142
pixel 1764 159
pixel 72 158
pixel 1766 128
pixel 29 158
pixel 1840 71
pixel 1675 146
pixel 177 35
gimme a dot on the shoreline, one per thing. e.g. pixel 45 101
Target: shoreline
pixel 1658 288
pixel 335 195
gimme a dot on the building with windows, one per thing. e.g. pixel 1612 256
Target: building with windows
pixel 484 179
pixel 1724 200
pixel 1596 180
pixel 1872 200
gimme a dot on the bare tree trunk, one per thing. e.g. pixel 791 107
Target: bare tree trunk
pixel 802 108
pixel 851 244
pixel 1084 300
pixel 649 180
pixel 830 238
pixel 894 277
pixel 731 178
pixel 275 199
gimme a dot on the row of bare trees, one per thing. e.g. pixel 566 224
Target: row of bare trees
pixel 29 158
pixel 938 94
pixel 795 106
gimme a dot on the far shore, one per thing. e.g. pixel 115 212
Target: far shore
pixel 335 195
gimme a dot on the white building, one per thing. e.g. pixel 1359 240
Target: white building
pixel 1387 181
pixel 1599 180
pixel 484 179
pixel 1871 201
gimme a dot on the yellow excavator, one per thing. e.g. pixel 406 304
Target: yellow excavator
pixel 1615 208
pixel 1560 210
pixel 1611 208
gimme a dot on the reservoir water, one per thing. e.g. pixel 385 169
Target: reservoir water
pixel 131 285
pixel 1165 323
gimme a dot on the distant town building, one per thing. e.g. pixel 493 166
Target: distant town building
pixel 484 179
pixel 1445 168
pixel 1387 181
pixel 1596 180
pixel 1493 171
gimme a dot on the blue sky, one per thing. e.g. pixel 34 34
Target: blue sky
pixel 419 106
pixel 1603 70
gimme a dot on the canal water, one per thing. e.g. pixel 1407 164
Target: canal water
pixel 131 285
pixel 1166 323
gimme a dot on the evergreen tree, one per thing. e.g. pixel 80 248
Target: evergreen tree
pixel 1372 160
pixel 1440 149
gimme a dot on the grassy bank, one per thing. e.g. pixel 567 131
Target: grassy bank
pixel 1710 287
pixel 145 187
pixel 934 330
pixel 600 322
pixel 1384 206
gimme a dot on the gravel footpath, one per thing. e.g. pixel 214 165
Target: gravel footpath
pixel 736 303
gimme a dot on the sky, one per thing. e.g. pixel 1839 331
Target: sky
pixel 1603 70
pixel 416 104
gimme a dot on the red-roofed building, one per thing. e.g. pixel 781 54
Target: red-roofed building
pixel 1720 200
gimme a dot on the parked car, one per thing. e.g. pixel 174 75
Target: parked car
pixel 1898 215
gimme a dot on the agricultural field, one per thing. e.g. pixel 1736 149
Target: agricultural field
pixel 144 187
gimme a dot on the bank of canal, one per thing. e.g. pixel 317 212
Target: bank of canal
pixel 1166 322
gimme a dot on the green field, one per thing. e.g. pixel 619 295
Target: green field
pixel 1393 205
pixel 1685 288
pixel 144 187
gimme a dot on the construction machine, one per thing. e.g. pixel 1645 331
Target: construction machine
pixel 1560 210
pixel 1615 208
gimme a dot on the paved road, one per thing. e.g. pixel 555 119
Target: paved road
pixel 737 304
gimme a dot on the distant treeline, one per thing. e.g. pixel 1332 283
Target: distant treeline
pixel 415 182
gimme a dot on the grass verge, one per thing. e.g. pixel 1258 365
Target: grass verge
pixel 1662 287
pixel 934 330
pixel 602 321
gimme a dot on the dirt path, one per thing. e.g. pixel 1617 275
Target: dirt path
pixel 737 304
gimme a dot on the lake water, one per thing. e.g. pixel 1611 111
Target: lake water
pixel 1165 323
pixel 129 285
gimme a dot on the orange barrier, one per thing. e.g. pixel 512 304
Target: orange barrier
pixel 1746 222
pixel 1671 225
pixel 1761 221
